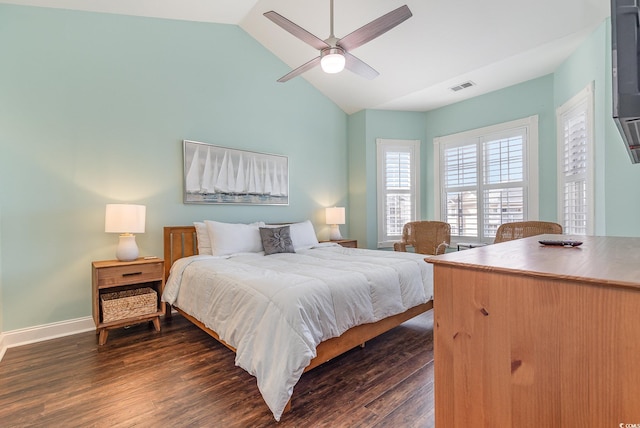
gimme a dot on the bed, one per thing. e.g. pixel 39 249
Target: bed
pixel 277 340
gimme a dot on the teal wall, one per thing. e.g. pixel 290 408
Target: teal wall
pixel 94 107
pixel 359 217
pixel 617 197
pixel 1 301
pixel 534 97
pixel 364 128
pixel 591 62
pixel 93 110
pixel 615 193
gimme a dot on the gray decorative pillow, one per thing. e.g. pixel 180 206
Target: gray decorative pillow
pixel 276 240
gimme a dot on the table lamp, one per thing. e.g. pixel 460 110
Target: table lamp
pixel 126 220
pixel 335 217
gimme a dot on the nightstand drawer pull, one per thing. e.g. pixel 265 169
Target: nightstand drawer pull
pixel 131 273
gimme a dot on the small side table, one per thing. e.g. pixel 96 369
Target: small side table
pixel 348 243
pixel 109 276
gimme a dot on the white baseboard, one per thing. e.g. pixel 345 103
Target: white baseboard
pixel 3 348
pixel 24 336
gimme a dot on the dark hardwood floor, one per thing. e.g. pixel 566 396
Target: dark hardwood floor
pixel 181 377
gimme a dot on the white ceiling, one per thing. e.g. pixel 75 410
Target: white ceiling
pixel 494 43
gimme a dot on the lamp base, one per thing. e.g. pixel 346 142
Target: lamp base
pixel 334 233
pixel 127 250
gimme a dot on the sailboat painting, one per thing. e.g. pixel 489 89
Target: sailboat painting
pixel 221 175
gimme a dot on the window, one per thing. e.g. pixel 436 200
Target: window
pixel 398 187
pixel 575 163
pixel 487 177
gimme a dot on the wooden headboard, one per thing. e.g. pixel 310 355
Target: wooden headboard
pixel 179 241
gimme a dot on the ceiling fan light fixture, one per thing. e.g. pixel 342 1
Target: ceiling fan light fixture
pixel 334 52
pixel 333 60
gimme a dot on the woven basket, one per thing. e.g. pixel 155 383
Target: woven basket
pixel 129 303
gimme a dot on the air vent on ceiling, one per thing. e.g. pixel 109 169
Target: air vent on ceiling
pixel 462 86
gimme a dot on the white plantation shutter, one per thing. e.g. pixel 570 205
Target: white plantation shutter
pixel 504 180
pixel 575 136
pixel 461 182
pixel 504 205
pixel 483 178
pixel 575 174
pixel 398 209
pixel 398 193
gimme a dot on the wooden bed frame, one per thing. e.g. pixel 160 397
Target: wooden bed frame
pixel 180 241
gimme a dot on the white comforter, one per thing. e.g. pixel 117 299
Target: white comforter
pixel 276 309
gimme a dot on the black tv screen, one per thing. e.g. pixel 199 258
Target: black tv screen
pixel 625 61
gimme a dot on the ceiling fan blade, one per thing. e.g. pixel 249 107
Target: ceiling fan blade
pixel 296 30
pixel 304 67
pixel 360 67
pixel 375 28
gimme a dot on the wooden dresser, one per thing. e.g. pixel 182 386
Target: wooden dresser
pixel 535 336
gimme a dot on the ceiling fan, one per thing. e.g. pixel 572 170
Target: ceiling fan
pixel 334 52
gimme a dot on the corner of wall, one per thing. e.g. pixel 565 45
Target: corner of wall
pixel 1 301
pixel 356 152
pixel 3 347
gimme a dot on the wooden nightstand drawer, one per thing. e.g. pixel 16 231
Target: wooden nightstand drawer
pixel 348 243
pixel 128 274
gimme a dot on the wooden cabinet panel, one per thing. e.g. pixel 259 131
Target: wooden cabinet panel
pixel 540 346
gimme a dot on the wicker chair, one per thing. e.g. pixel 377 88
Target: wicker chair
pixel 524 229
pixel 426 237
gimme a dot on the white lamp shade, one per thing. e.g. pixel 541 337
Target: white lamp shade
pixel 332 63
pixel 124 218
pixel 335 215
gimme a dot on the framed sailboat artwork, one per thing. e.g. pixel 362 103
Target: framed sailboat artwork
pixel 221 175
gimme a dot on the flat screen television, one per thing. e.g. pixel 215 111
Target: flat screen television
pixel 625 59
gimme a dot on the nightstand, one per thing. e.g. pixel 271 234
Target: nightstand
pixel 348 243
pixel 122 294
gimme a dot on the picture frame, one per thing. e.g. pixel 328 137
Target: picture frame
pixel 222 175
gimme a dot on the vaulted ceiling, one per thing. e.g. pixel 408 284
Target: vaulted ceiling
pixel 492 43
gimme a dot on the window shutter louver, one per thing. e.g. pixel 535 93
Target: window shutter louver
pixel 398 190
pixel 504 166
pixel 398 172
pixel 460 180
pixel 574 124
pixel 484 183
pixel 575 169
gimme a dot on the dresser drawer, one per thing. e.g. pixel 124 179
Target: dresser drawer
pixel 129 274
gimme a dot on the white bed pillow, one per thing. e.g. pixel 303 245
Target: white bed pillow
pixel 303 235
pixel 202 235
pixel 232 238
